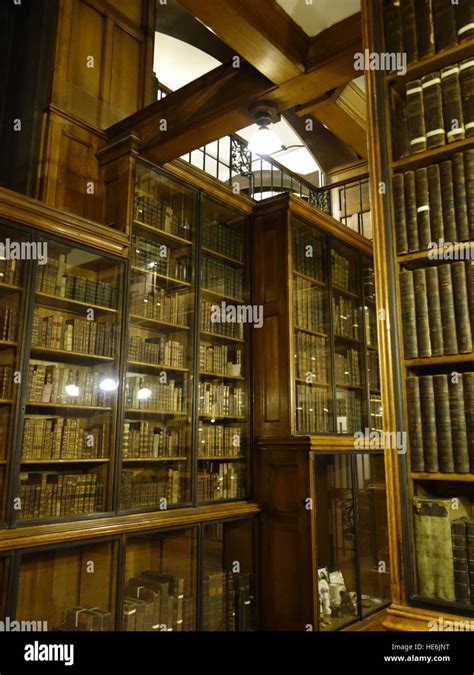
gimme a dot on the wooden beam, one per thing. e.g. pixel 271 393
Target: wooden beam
pixel 259 31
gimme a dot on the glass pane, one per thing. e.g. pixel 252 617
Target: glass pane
pixel 336 545
pixel 71 589
pixel 12 321
pixel 69 425
pixel 373 532
pixel 224 367
pixel 160 582
pixel 229 577
pixel 156 446
pixel 370 329
pixel 311 331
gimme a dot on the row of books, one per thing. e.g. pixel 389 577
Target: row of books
pixel 368 282
pixel 10 272
pixel 346 317
pixel 311 354
pixel 422 28
pixel 347 367
pixel 375 413
pixel 214 358
pixel 158 304
pixel 342 276
pixel 438 111
pixel 6 382
pixel 437 303
pixel 434 204
pixel 8 323
pixel 370 326
pixel 149 487
pixel 313 409
pixel 156 213
pixel 147 439
pixel 232 329
pixel 58 383
pixel 53 280
pixel 220 480
pixel 227 600
pixel 221 278
pixel 150 393
pixel 155 601
pixel 373 371
pixel 308 254
pixel 155 256
pixel 441 422
pixel 221 399
pixel 462 535
pixel 216 440
pixel 348 412
pixel 156 350
pixel 86 618
pixel 223 239
pixel 309 306
pixel 63 438
pixel 73 335
pixel 45 494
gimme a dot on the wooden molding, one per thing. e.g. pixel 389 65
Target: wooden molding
pixel 410 619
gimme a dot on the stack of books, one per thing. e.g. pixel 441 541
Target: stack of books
pixel 147 439
pixel 63 438
pixel 220 480
pixel 221 399
pixel 73 335
pixel 45 494
pixel 216 440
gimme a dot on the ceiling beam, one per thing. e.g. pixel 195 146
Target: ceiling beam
pixel 258 30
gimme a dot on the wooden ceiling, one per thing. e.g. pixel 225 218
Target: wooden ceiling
pixel 279 63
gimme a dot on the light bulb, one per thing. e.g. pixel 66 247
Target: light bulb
pixel 108 384
pixel 143 393
pixel 72 390
pixel 264 142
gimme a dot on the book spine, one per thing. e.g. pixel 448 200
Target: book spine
pixel 424 28
pixel 466 76
pixel 465 20
pixel 468 385
pixel 411 214
pixel 422 208
pixel 415 117
pixel 400 217
pixel 433 110
pixel 393 28
pixel 447 303
pixel 447 196
pixel 428 412
pixel 434 311
pixel 446 34
pixel 460 202
pixel 410 45
pixel 435 202
pixel 460 561
pixel 422 316
pixel 469 179
pixel 452 104
pixel 415 424
pixel 461 304
pixel 458 425
pixel 443 423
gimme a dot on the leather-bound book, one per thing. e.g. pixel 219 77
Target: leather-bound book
pixel 436 204
pixel 415 424
pixel 443 424
pixel 470 553
pixel 434 311
pixel 469 178
pixel 428 422
pixel 410 46
pixel 447 197
pixel 460 561
pixel 465 19
pixel 433 110
pixel 468 384
pixel 415 117
pixel 458 425
pixel 393 28
pixel 422 316
pixel 433 545
pixel 399 213
pixel 447 303
pixel 410 211
pixel 444 19
pixel 452 104
pixel 424 28
pixel 422 208
pixel 466 77
pixel 401 143
pixel 460 202
pixel 407 297
pixel 461 307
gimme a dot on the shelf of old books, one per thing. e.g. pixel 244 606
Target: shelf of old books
pixel 160 581
pixel 352 558
pixel 158 406
pixel 226 319
pixel 228 594
pixel 69 588
pixel 369 310
pixel 68 427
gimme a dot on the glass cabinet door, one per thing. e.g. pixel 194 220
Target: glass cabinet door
pixel 311 339
pixel 375 419
pixel 5 584
pixel 228 583
pixel 159 592
pixel 157 439
pixel 72 384
pixel 71 588
pixel 224 366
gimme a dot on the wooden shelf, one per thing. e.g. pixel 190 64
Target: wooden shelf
pixel 161 277
pixel 50 351
pixel 221 458
pixel 314 281
pixel 225 338
pixel 348 339
pixel 349 386
pixel 155 324
pixel 422 255
pixel 67 406
pixel 315 383
pixel 6 401
pixel 140 460
pixel 94 460
pixel 143 411
pixel 439 360
pixel 57 302
pixel 10 287
pixel 222 296
pixel 222 417
pixel 311 332
pixel 348 294
pixel 433 155
pixel 222 256
pixel 4 344
pixel 156 366
pixel 222 376
pixel 174 238
pixel 461 477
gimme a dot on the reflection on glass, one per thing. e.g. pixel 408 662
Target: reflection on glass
pixel 228 581
pixel 71 589
pixel 160 582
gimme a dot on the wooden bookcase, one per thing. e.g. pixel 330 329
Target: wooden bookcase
pixel 319 486
pixel 423 472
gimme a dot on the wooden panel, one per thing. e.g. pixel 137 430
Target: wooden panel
pixel 73 172
pixel 271 357
pixel 132 10
pixel 125 67
pixel 88 26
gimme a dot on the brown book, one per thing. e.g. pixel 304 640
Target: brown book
pixel 424 28
pixel 447 303
pixel 410 211
pixel 469 178
pixel 466 77
pixel 460 202
pixel 407 297
pixel 401 143
pixel 468 385
pixel 452 103
pixel 399 213
pixel 422 208
pixel 415 424
pixel 422 316
pixel 393 28
pixel 433 110
pixel 436 205
pixel 407 11
pixel 434 311
pixel 460 561
pixel 447 196
pixel 415 117
pixel 444 18
pixel 443 423
pixel 465 19
pixel 470 553
pixel 458 425
pixel 461 307
pixel 428 421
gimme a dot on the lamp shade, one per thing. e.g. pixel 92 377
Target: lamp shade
pixel 264 142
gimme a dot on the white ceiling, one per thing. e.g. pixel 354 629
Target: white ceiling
pixel 313 16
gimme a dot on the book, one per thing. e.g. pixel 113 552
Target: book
pixel 447 198
pixel 409 32
pixel 460 561
pixel 443 424
pixel 460 200
pixel 428 415
pixel 407 298
pixel 422 208
pixel 433 110
pixel 469 178
pixel 448 319
pixel 411 212
pixel 435 203
pixel 452 104
pixel 434 311
pixel 466 76
pixel 400 213
pixel 461 306
pixel 415 115
pixel 458 425
pixel 422 315
pixel 468 383
pixel 445 28
pixel 393 27
pixel 465 20
pixel 414 424
pixel 424 28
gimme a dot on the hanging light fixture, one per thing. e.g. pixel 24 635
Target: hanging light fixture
pixel 264 141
